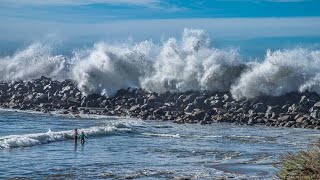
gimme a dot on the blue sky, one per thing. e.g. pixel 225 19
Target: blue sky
pixel 94 11
pixel 77 21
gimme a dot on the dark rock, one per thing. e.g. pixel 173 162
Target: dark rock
pixel 219 111
pixel 74 102
pixel 216 103
pixel 159 112
pixel 286 118
pixel 121 92
pixel 139 100
pixel 198 115
pixel 135 108
pixel 315 114
pixel 301 119
pixel 225 97
pixel 231 105
pixel 199 101
pixel 40 98
pixel 260 108
pixel 189 108
pixel 189 98
pixel 4 87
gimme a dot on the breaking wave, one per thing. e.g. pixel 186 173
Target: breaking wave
pixel 33 62
pixel 27 140
pixel 281 72
pixel 189 63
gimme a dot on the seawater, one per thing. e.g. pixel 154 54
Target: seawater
pixel 191 62
pixel 41 146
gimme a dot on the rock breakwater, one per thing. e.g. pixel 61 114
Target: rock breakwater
pixel 299 110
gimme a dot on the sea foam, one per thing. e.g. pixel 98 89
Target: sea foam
pixel 27 140
pixel 189 63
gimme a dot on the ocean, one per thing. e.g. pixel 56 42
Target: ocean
pixel 41 146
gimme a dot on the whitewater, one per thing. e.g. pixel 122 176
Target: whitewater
pixel 178 64
pixel 41 146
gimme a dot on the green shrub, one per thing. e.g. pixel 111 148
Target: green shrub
pixel 303 165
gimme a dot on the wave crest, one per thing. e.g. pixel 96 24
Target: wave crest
pixel 281 72
pixel 175 65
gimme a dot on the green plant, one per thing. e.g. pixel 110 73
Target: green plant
pixel 303 165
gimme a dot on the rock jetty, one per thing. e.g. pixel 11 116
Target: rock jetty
pixel 299 110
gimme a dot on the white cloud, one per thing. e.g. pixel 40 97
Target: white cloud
pixel 220 28
pixel 80 2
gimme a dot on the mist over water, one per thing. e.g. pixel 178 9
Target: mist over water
pixel 189 63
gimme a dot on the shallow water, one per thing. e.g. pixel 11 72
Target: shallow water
pixel 40 146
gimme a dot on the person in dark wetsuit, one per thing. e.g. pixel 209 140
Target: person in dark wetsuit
pixel 75 136
pixel 82 136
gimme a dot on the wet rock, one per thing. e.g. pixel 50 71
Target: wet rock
pixel 199 101
pixel 4 87
pixel 198 115
pixel 21 88
pixel 159 112
pixel 190 108
pixel 315 114
pixel 135 108
pixel 231 105
pixel 73 102
pixel 151 100
pixel 44 94
pixel 286 118
pixel 40 98
pixel 225 97
pixel 260 108
pixel 219 111
pixel 140 100
pixel 189 98
pixel 121 92
pixel 37 88
pixel 301 119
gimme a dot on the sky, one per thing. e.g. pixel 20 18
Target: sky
pixel 76 22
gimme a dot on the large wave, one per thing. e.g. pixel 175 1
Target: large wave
pixel 33 62
pixel 27 140
pixel 281 72
pixel 189 63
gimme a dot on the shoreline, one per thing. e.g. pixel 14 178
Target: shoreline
pixel 298 110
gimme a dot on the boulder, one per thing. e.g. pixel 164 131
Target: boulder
pixel 231 105
pixel 135 108
pixel 260 108
pixel 38 88
pixel 121 92
pixel 4 87
pixel 199 101
pixel 21 88
pixel 139 100
pixel 73 102
pixel 216 103
pixel 151 100
pixel 198 115
pixel 225 97
pixel 189 98
pixel 301 119
pixel 92 103
pixel 219 111
pixel 158 112
pixel 286 118
pixel 190 107
pixel 40 98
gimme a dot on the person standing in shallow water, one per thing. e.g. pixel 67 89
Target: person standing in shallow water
pixel 75 136
pixel 82 136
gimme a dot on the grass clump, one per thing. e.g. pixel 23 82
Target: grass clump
pixel 304 165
